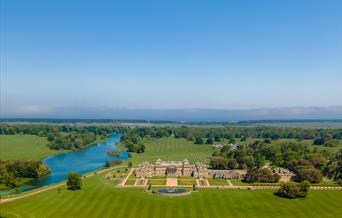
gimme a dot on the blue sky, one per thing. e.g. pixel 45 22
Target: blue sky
pixel 170 54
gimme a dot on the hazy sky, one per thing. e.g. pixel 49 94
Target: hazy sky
pixel 170 54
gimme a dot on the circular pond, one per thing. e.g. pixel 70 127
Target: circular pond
pixel 172 191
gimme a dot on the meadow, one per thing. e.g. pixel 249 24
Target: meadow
pixel 179 148
pixel 99 198
pixel 172 149
pixel 24 147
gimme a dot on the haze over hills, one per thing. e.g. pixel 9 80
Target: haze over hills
pixel 288 113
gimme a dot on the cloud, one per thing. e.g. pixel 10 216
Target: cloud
pixel 33 109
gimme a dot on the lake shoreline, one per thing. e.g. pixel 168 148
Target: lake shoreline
pixel 90 158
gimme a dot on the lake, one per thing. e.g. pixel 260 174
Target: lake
pixel 82 161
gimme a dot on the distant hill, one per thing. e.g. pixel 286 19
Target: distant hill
pixel 190 115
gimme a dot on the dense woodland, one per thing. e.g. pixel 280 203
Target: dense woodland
pixel 11 171
pixel 219 133
pixel 307 164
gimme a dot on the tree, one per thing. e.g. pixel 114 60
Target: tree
pixel 129 164
pixel 141 148
pixel 267 141
pixel 209 141
pixel 266 175
pixel 304 188
pixel 232 163
pixel 10 181
pixel 131 147
pixel 217 138
pixel 334 167
pixel 331 143
pixel 74 181
pixel 199 140
pixel 319 141
pixel 259 160
pixel 311 174
pixel 50 137
pixel 251 176
pixel 248 161
pixel 231 141
pixel 261 175
pixel 219 163
pixel 190 137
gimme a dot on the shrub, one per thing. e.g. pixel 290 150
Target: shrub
pixel 294 190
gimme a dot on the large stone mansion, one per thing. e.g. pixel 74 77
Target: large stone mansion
pixel 184 168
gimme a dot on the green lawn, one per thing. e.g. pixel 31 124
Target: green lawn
pixel 157 177
pixel 219 182
pixel 130 182
pixel 325 182
pixel 186 182
pixel 172 149
pixel 24 147
pixel 99 198
pixel 238 182
pixel 156 182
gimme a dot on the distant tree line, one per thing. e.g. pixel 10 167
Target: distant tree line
pixel 201 135
pixel 78 136
pixel 63 136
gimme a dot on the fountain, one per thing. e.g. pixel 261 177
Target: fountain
pixel 172 191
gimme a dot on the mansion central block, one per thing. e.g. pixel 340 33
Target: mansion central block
pixel 183 168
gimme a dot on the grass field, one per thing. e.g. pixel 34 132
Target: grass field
pixel 156 182
pixel 130 182
pixel 24 147
pixel 99 198
pixel 172 149
pixel 186 182
pixel 219 182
